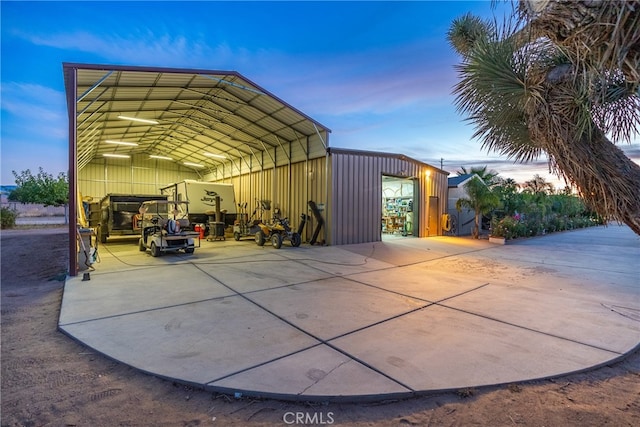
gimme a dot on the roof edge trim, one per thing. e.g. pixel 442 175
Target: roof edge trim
pixel 196 71
pixel 398 156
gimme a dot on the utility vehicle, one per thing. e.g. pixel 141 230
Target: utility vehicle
pixel 164 227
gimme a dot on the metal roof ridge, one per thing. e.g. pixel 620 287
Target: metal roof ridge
pixel 399 156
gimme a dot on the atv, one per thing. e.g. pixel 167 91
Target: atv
pixel 277 231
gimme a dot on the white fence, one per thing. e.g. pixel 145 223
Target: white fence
pixel 34 210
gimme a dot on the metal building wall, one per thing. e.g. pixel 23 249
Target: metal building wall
pixel 137 175
pixel 288 187
pixel 356 193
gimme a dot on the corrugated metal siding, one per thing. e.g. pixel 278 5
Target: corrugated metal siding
pixel 349 187
pixel 288 187
pixel 356 194
pixel 318 144
pixel 318 184
pixel 138 175
pixel 299 150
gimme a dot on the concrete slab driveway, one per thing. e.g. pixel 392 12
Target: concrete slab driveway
pixel 396 318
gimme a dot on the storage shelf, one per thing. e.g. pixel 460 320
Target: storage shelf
pixel 394 214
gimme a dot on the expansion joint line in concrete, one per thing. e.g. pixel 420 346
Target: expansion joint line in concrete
pixel 309 334
pixel 430 303
pixel 130 313
pixel 526 328
pixel 397 316
pixel 390 267
pixel 183 260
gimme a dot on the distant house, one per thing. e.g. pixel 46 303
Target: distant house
pixel 462 222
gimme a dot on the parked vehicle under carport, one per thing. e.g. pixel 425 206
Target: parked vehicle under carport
pixel 165 227
pixel 119 214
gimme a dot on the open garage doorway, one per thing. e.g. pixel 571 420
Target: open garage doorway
pixel 399 206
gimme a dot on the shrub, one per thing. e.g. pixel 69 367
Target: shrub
pixel 8 217
pixel 507 227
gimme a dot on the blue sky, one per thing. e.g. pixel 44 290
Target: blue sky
pixel 378 74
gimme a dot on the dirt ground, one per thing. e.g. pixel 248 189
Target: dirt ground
pixel 48 379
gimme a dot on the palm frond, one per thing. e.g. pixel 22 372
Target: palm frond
pixel 465 32
pixel 493 92
pixel 616 106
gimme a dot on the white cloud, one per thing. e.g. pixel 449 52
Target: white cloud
pixel 143 47
pixel 34 110
pixel 375 81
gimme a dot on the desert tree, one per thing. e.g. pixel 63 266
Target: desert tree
pixel 42 188
pixel 561 79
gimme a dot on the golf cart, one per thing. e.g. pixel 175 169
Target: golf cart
pixel 164 227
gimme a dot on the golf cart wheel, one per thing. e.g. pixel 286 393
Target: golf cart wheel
pixel 189 250
pixel 155 251
pixel 276 240
pixel 296 240
pixel 141 245
pixel 236 235
pixel 260 238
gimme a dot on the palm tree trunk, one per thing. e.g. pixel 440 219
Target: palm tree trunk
pixel 607 180
pixel 476 228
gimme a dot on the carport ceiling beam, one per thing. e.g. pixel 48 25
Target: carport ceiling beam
pixel 92 88
pixel 250 89
pixel 81 112
pixel 241 157
pixel 283 149
pixel 206 135
pixel 320 136
pixel 267 151
pixel 211 98
pixel 243 130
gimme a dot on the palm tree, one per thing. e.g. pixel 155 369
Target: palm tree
pixel 489 177
pixel 507 191
pixel 558 83
pixel 480 199
pixel 538 185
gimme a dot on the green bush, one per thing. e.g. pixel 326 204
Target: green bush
pixel 507 227
pixel 8 217
pixel 537 211
pixel 513 227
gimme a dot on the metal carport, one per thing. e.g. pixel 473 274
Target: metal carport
pixel 211 124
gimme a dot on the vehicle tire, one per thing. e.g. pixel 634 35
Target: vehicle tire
pixel 155 251
pixel 236 236
pixel 189 250
pixel 141 245
pixel 276 240
pixel 296 240
pixel 260 238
